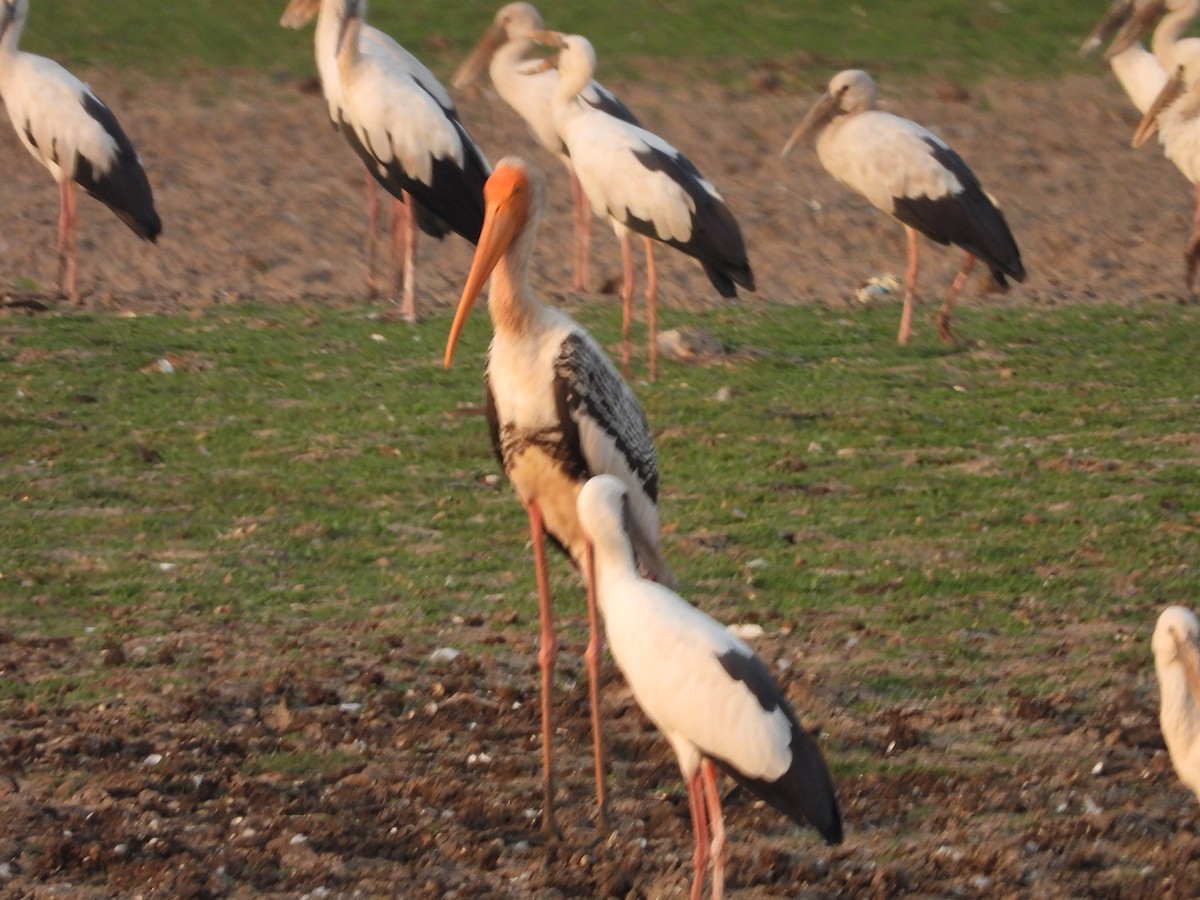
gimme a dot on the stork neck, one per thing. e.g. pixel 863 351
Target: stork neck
pixel 8 43
pixel 1178 705
pixel 511 302
pixel 1170 30
pixel 570 83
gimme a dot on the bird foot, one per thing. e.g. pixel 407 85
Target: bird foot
pixel 549 829
pixel 945 332
pixel 1191 258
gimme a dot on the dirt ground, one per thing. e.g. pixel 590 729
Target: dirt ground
pixel 433 790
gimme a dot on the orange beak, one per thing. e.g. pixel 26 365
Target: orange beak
pixel 1171 92
pixel 504 216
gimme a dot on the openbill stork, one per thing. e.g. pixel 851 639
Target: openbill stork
pixel 642 185
pixel 1177 664
pixel 70 131
pixel 913 175
pixel 506 51
pixel 402 124
pixel 705 690
pixel 558 413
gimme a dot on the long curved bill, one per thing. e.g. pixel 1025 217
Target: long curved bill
pixel 501 223
pixel 1168 95
pixel 479 57
pixel 1117 14
pixel 821 112
pixel 1141 17
pixel 549 38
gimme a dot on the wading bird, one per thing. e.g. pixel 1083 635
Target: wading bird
pixel 1177 663
pixel 403 126
pixel 1139 72
pixel 558 413
pixel 704 689
pixel 911 174
pixel 1177 15
pixel 642 185
pixel 76 137
pixel 505 50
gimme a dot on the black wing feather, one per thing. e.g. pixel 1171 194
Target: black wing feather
pixel 122 186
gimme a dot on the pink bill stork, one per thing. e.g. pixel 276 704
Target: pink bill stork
pixel 558 413
pixel 403 125
pixel 76 137
pixel 913 175
pixel 1177 663
pixel 506 51
pixel 704 689
pixel 642 185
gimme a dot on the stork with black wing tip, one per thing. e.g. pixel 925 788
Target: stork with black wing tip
pixel 913 175
pixel 76 137
pixel 558 413
pixel 402 124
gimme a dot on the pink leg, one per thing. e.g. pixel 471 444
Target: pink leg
pixel 910 286
pixel 717 823
pixel 1192 254
pixel 626 303
pixel 594 658
pixel 944 315
pixel 583 223
pixel 699 831
pixel 372 228
pixel 404 254
pixel 547 655
pixel 652 308
pixel 67 217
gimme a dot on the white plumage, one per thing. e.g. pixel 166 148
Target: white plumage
pixel 712 698
pixel 404 127
pixel 558 413
pixel 75 136
pixel 913 175
pixel 506 50
pixel 642 185
pixel 1177 663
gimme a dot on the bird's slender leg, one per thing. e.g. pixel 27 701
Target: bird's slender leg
pixel 695 790
pixel 626 303
pixel 593 656
pixel 547 655
pixel 716 820
pixel 1192 255
pixel 910 286
pixel 583 236
pixel 652 308
pixel 372 228
pixel 404 253
pixel 66 239
pixel 960 281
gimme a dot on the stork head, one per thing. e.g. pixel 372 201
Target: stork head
pixel 514 21
pixel 352 14
pixel 1174 644
pixel 603 510
pixel 576 59
pixel 852 91
pixel 513 198
pixel 1138 20
pixel 1117 15
pixel 299 13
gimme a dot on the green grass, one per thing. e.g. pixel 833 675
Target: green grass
pixel 718 37
pixel 297 472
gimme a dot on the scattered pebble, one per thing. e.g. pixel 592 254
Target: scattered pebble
pixel 747 631
pixel 444 655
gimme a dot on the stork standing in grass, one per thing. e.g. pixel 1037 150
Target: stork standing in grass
pixel 558 413
pixel 403 125
pixel 914 176
pixel 76 137
pixel 1177 663
pixel 505 50
pixel 642 185
pixel 705 690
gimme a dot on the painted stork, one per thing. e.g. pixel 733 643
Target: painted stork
pixel 642 185
pixel 76 137
pixel 505 50
pixel 914 176
pixel 403 125
pixel 1177 663
pixel 558 413
pixel 704 689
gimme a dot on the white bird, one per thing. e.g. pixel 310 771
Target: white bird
pixel 642 185
pixel 1177 15
pixel 506 50
pixel 705 690
pixel 404 127
pixel 1139 72
pixel 558 413
pixel 76 137
pixel 913 175
pixel 1177 663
